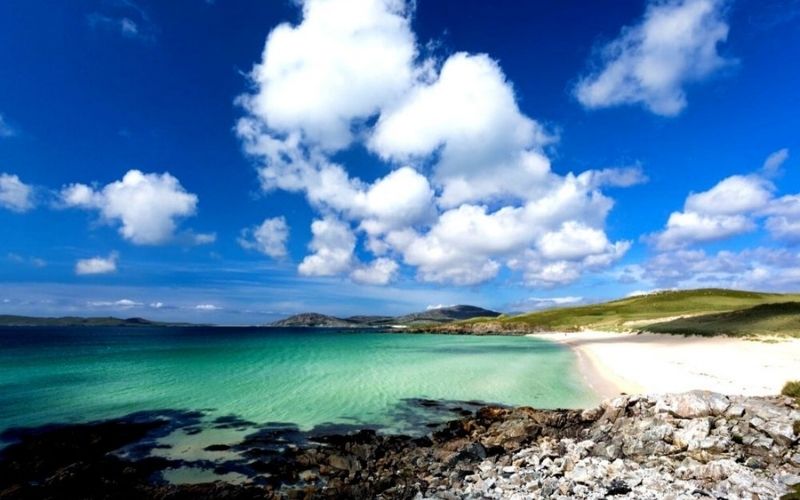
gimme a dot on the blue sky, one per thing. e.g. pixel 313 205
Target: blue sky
pixel 240 161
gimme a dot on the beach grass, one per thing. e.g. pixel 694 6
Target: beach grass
pixel 791 389
pixel 779 319
pixel 642 311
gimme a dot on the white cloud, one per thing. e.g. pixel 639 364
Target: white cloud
pixel 734 195
pixel 202 238
pixel 652 62
pixel 97 265
pixel 469 113
pixel 5 129
pixel 343 62
pixel 147 206
pixel 685 228
pixel 750 269
pixel 269 237
pixel 470 188
pixel 207 307
pixel 381 271
pixel 536 303
pixel 119 304
pixel 774 161
pixel 333 244
pixel 15 195
pixel 639 293
pixel 734 206
pixel 572 241
pixel 433 307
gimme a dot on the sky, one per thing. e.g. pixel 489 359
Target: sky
pixel 239 161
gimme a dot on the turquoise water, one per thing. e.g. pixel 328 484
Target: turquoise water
pixel 307 377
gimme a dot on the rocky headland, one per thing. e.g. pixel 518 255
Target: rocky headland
pixel 423 319
pixel 689 445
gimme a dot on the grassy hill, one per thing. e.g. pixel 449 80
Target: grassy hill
pixel 662 310
pixel 766 319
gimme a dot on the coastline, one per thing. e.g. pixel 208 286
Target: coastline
pixel 612 363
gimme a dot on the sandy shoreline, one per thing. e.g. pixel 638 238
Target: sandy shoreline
pixel 613 363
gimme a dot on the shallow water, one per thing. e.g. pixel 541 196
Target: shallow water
pixel 306 377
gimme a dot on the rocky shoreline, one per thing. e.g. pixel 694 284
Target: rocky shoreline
pixel 690 445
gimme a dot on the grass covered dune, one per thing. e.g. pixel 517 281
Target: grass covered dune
pixel 710 311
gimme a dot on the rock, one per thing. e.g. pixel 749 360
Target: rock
pixel 780 431
pixel 694 404
pixel 307 476
pixel 674 446
pixel 617 487
pixel 217 447
pixel 692 434
pixel 735 410
pixel 346 463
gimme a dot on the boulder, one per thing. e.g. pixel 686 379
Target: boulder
pixel 693 404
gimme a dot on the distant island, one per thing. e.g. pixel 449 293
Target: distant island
pixel 430 317
pixel 14 320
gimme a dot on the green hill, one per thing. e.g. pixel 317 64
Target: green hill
pixel 766 319
pixel 632 313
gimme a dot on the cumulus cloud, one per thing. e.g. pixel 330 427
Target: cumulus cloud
pixel 469 114
pixel 470 187
pixel 733 206
pixel 146 206
pixel 734 195
pixel 684 228
pixel 381 271
pixel 97 265
pixel 343 62
pixel 332 245
pixel 15 195
pixel 269 237
pixel 754 269
pixel 653 61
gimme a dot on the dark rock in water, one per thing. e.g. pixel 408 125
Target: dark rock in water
pixel 217 447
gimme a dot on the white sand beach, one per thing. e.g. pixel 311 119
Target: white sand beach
pixel 656 363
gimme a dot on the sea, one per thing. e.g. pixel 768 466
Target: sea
pixel 305 376
pixel 233 381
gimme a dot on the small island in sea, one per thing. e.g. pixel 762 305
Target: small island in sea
pixel 400 249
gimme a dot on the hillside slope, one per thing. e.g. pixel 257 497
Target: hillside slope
pixel 766 319
pixel 632 313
